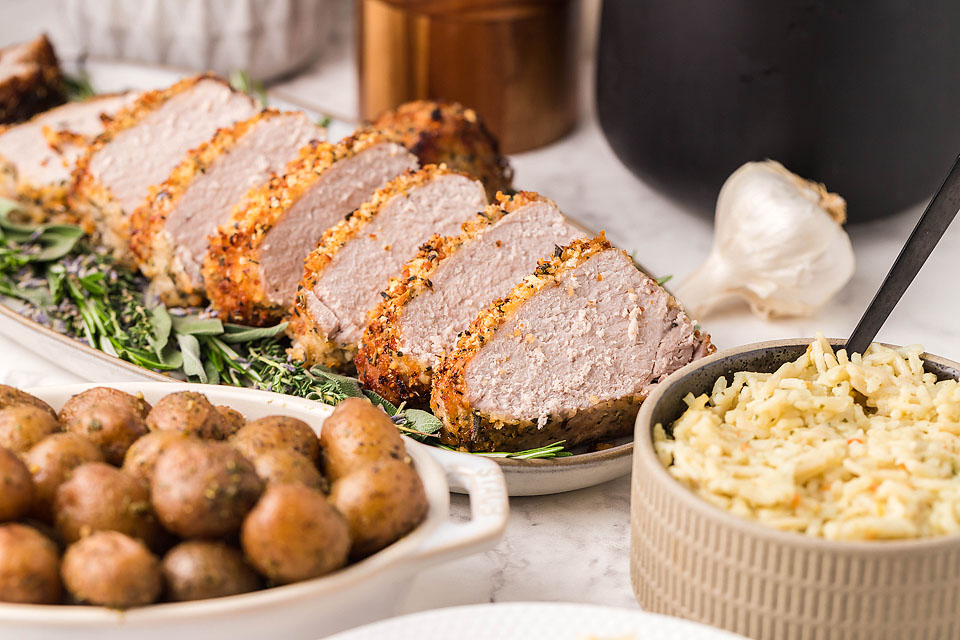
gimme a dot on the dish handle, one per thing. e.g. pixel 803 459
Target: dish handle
pixel 482 480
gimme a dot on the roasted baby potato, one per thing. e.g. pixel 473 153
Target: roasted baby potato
pixel 99 497
pixel 110 569
pixel 11 397
pixel 29 566
pixel 294 534
pixel 51 463
pixel 112 427
pixel 141 458
pixel 24 425
pixel 381 502
pixel 103 396
pixel 281 466
pixel 276 432
pixel 203 489
pixel 200 569
pixel 358 433
pixel 16 487
pixel 233 420
pixel 189 412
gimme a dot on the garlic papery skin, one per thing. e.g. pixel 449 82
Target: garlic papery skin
pixel 778 243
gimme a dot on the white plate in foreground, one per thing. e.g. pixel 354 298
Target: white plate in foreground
pixel 524 477
pixel 535 621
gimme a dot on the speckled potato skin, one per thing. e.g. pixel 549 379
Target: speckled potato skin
pixel 112 427
pixel 233 420
pixel 203 489
pixel 11 397
pixel 24 425
pixel 16 487
pixel 112 570
pixel 189 412
pixel 149 242
pixel 309 344
pixel 201 569
pixel 141 458
pixel 382 362
pixel 447 132
pixel 29 566
pixel 283 466
pixel 102 395
pixel 356 434
pixel 231 270
pixel 294 534
pixel 100 497
pixel 381 502
pixel 51 463
pixel 276 432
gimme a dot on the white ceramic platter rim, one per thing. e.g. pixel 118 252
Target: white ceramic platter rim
pixel 524 477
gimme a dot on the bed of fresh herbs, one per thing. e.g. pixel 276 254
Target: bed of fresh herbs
pixel 63 283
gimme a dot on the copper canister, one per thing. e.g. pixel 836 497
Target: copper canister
pixel 513 61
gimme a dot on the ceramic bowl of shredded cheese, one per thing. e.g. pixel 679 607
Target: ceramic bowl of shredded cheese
pixel 789 490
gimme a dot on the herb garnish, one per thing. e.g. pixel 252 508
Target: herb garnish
pixel 78 86
pixel 240 80
pixel 66 285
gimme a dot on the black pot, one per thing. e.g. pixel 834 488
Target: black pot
pixel 862 96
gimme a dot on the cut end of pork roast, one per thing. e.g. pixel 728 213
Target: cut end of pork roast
pixel 36 157
pixel 568 355
pixel 169 232
pixel 344 275
pixel 449 133
pixel 30 80
pixel 255 261
pixel 451 280
pixel 143 145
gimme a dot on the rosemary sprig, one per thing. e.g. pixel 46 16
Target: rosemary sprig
pixel 78 86
pixel 554 450
pixel 241 81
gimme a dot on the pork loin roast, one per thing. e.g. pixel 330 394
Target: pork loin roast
pixel 568 355
pixel 37 156
pixel 143 145
pixel 447 133
pixel 30 80
pixel 255 261
pixel 439 293
pixel 344 275
pixel 168 233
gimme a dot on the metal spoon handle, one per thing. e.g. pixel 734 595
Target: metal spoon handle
pixel 930 228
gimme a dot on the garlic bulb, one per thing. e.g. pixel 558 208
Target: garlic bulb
pixel 779 244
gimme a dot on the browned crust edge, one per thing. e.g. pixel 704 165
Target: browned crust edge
pixel 381 363
pixel 41 88
pixel 231 269
pixel 149 242
pixel 93 202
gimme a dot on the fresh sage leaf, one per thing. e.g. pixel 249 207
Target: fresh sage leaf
pixel 345 385
pixel 380 401
pixel 190 350
pixel 197 326
pixel 422 421
pixel 160 323
pixel 235 333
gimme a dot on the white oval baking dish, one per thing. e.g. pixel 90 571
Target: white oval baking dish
pixel 360 593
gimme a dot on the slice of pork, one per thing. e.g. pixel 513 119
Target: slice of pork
pixel 140 150
pixel 356 258
pixel 569 355
pixel 256 260
pixel 170 231
pixel 28 148
pixel 451 280
pixel 30 80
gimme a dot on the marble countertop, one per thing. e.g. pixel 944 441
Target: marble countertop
pixel 574 547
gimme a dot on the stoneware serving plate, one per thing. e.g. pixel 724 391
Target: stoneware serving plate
pixel 360 593
pixel 693 560
pixel 524 477
pixel 535 621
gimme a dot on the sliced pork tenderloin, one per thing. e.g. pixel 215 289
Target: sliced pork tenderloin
pixel 143 145
pixel 37 156
pixel 255 260
pixel 448 133
pixel 344 275
pixel 441 290
pixel 168 233
pixel 30 80
pixel 568 355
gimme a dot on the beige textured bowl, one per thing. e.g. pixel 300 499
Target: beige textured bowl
pixel 693 560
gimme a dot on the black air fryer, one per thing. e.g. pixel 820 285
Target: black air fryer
pixel 862 96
